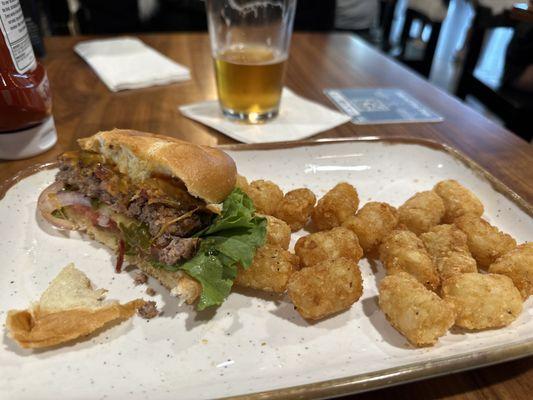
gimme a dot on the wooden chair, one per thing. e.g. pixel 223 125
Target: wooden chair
pixel 514 107
pixel 423 64
pixel 386 18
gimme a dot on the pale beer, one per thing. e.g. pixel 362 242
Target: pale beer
pixel 249 80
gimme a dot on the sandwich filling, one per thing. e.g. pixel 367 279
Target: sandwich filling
pixel 157 220
pixel 165 214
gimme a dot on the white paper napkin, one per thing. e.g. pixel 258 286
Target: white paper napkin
pixel 298 119
pixel 127 63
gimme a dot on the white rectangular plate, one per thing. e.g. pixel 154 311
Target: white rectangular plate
pixel 254 342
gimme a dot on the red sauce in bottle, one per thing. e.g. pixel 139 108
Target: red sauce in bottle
pixel 25 99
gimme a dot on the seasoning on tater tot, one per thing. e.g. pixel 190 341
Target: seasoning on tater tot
pixel 371 224
pixel 517 265
pixel 266 196
pixel 485 242
pixel 403 251
pixel 447 245
pixel 321 246
pixel 421 212
pixel 458 200
pixel 270 270
pixel 416 312
pixel 296 207
pixel 337 205
pixel 278 232
pixel 326 288
pixel 482 301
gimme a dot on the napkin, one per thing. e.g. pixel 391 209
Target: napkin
pixel 298 119
pixel 127 63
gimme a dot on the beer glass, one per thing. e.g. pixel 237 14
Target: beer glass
pixel 249 43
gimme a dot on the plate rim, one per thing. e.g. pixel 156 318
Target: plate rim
pixel 385 377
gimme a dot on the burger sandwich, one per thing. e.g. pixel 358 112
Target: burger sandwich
pixel 168 206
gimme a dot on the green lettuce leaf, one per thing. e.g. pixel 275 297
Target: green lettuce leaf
pixel 231 239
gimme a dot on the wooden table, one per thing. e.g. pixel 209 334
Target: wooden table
pixel 83 105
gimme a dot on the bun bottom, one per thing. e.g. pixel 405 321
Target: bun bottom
pixel 181 285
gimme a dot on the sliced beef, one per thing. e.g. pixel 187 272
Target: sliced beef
pixel 158 215
pixel 177 250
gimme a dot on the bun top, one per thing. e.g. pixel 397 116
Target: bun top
pixel 207 173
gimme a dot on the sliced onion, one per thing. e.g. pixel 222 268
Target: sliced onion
pixel 71 198
pixel 48 203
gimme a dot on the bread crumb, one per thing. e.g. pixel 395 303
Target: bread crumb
pixel 140 278
pixel 148 310
pixel 150 291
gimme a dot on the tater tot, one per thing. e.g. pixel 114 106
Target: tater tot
pixel 337 205
pixel 482 301
pixel 270 270
pixel 458 200
pixel 421 212
pixel 278 232
pixel 371 224
pixel 485 242
pixel 416 312
pixel 404 251
pixel 296 207
pixel 455 263
pixel 242 183
pixel 517 265
pixel 321 246
pixel 266 196
pixel 447 245
pixel 325 288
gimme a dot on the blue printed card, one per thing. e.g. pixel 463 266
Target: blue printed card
pixel 380 106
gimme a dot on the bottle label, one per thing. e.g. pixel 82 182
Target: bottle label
pixel 16 36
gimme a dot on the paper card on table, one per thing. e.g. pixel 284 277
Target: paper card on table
pixel 381 106
pixel 298 119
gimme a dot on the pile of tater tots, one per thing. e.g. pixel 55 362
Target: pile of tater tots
pixel 445 265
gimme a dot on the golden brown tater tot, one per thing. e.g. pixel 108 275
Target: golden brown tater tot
pixel 337 205
pixel 325 288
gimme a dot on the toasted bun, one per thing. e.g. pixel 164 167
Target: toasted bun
pixel 208 173
pixel 68 309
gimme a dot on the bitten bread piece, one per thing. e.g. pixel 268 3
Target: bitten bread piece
pixel 517 265
pixel 416 312
pixel 447 245
pixel 482 301
pixel 326 288
pixel 68 309
pixel 328 245
pixel 337 205
pixel 422 211
pixel 207 172
pixel 404 251
pixel 270 270
pixel 486 242
pixel 371 224
pixel 458 200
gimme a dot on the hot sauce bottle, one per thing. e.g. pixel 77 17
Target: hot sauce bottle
pixel 26 122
